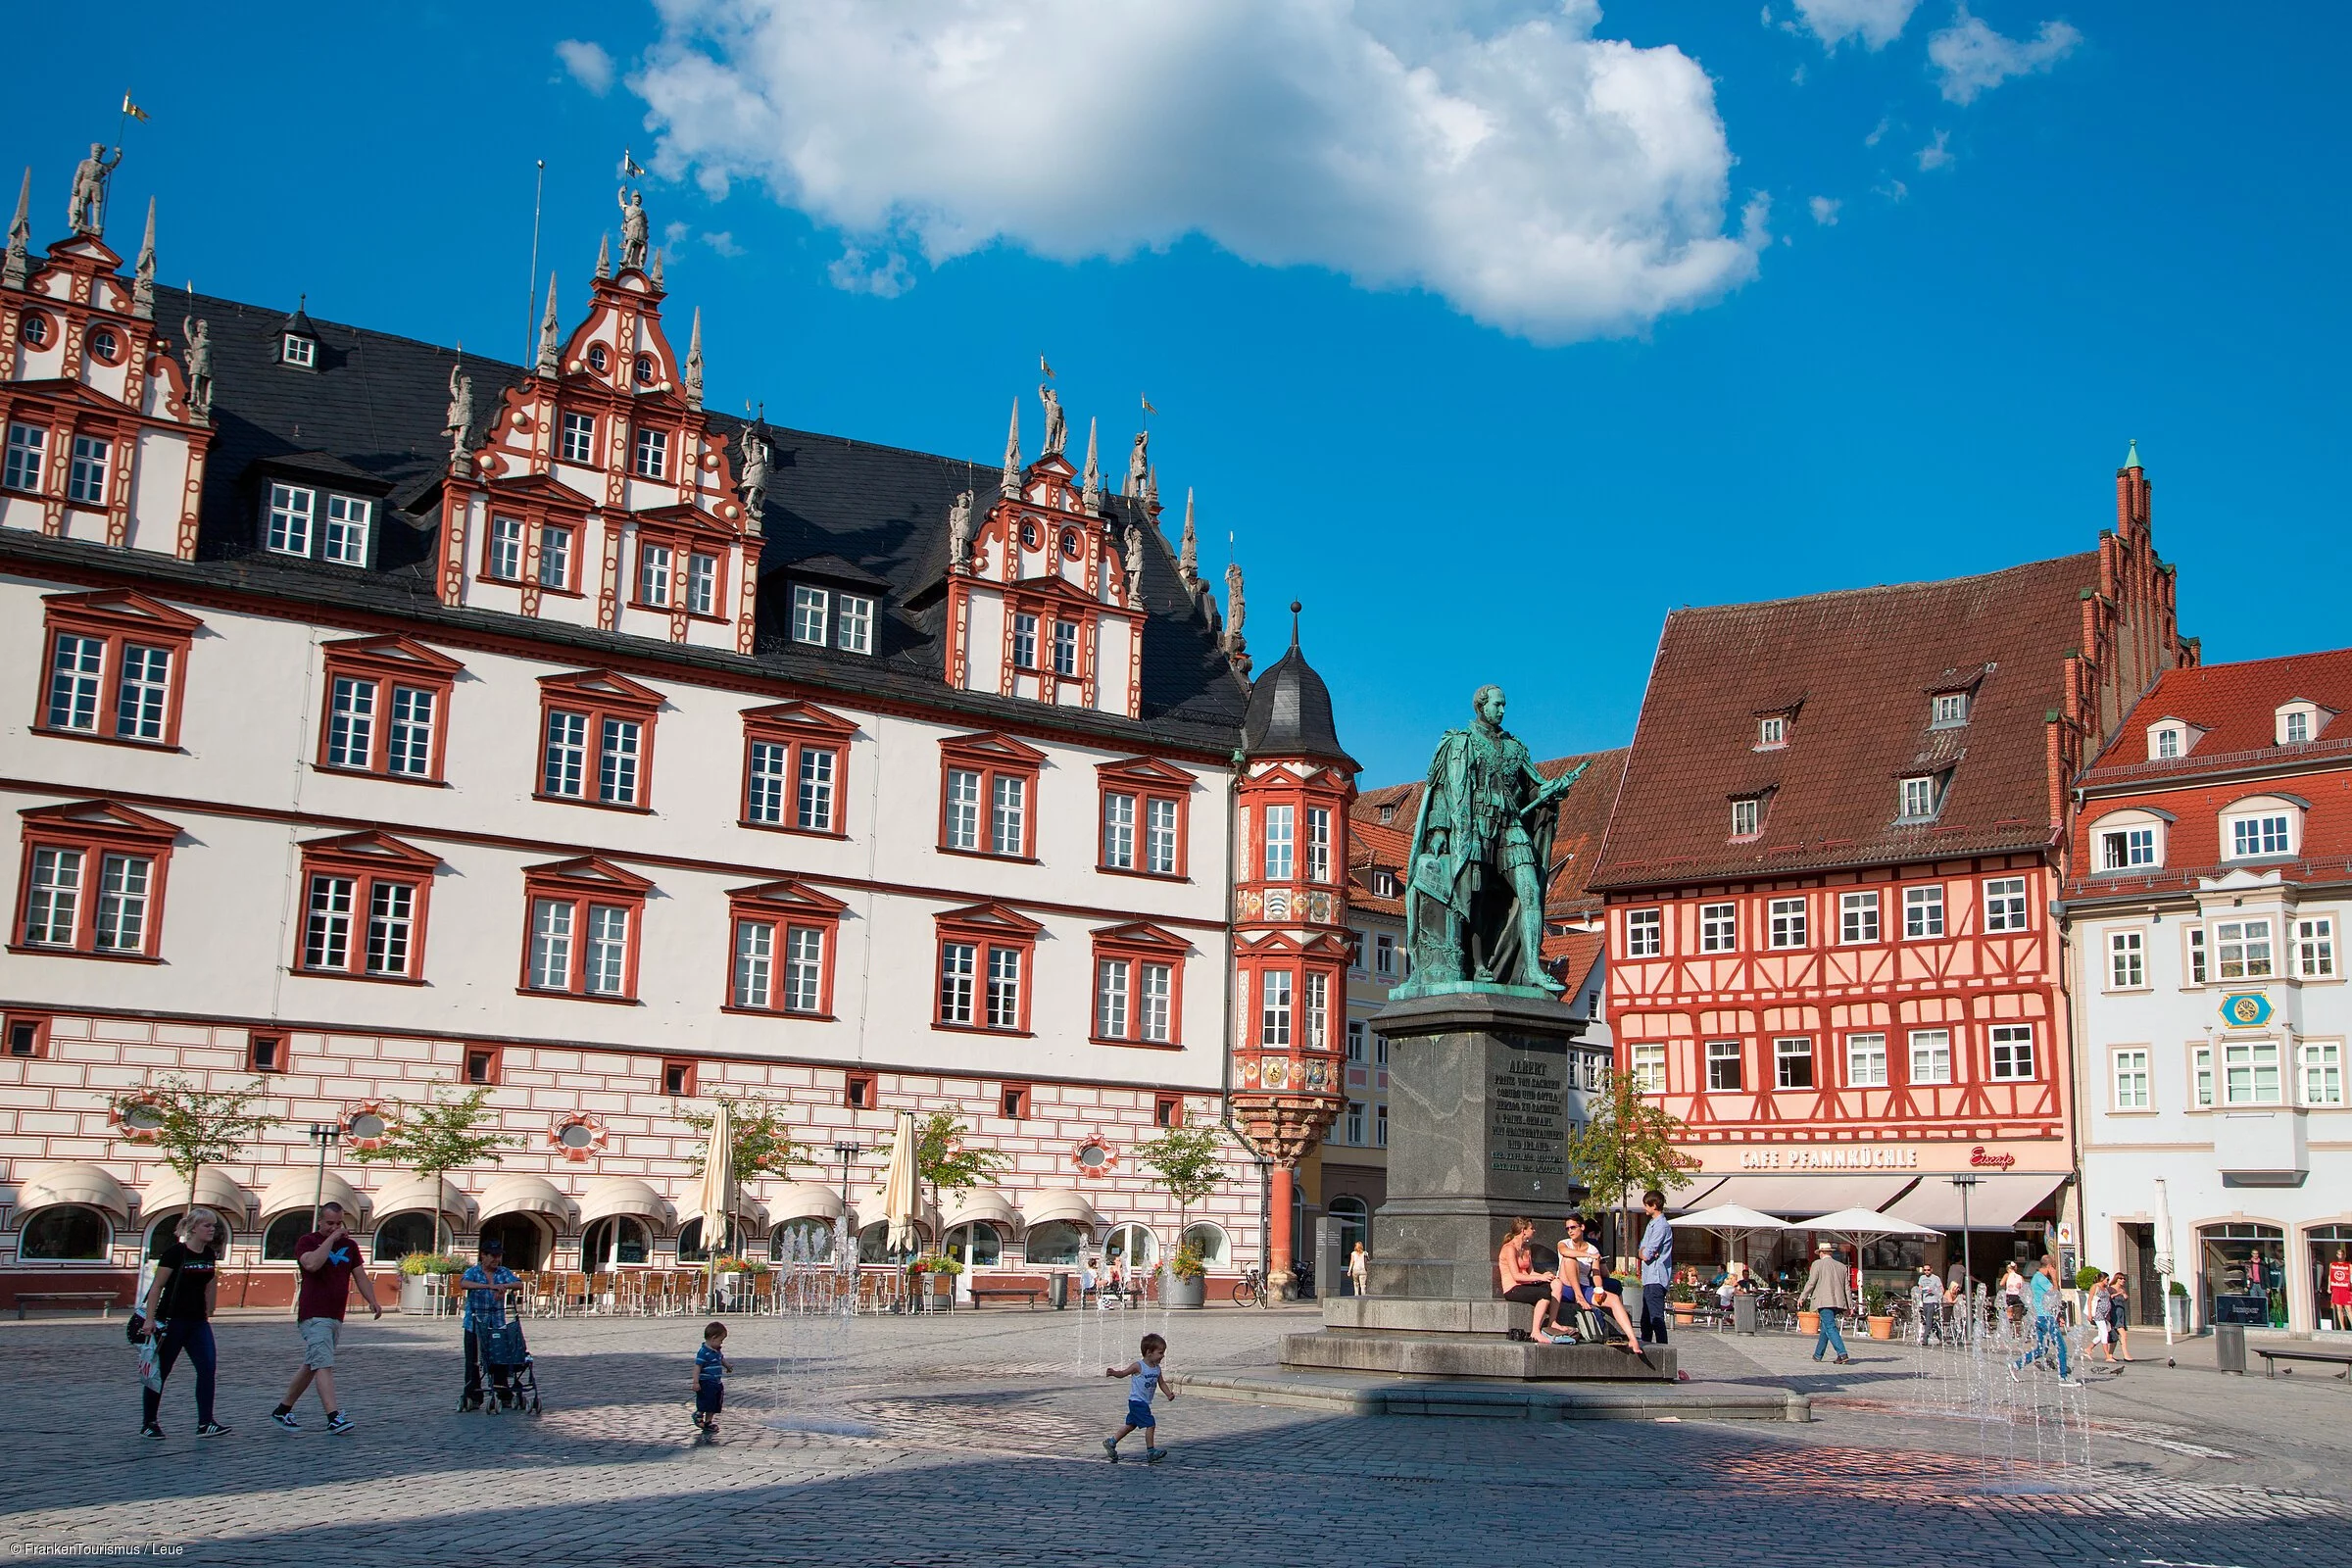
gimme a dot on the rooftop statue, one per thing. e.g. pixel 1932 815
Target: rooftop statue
pixel 1481 855
pixel 85 212
pixel 1057 430
pixel 960 530
pixel 756 460
pixel 200 362
pixel 634 234
pixel 1138 464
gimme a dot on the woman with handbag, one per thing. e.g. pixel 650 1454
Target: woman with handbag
pixel 176 1319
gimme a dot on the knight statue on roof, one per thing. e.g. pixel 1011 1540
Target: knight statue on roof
pixel 1058 428
pixel 634 235
pixel 1480 858
pixel 85 212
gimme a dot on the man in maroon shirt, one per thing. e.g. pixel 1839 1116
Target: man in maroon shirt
pixel 329 1259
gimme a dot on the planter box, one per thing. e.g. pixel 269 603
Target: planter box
pixel 1188 1293
pixel 423 1295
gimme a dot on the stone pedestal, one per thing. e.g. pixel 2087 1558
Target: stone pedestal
pixel 1478 1129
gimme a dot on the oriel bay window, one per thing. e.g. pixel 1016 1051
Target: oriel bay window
pixel 988 787
pixel 93 881
pixel 116 668
pixel 795 757
pixel 385 709
pixel 582 929
pixel 782 949
pixel 597 740
pixel 1139 985
pixel 985 956
pixel 1144 806
pixel 363 908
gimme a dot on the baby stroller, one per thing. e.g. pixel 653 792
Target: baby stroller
pixel 513 1377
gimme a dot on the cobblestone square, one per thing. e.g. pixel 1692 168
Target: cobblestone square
pixel 974 1440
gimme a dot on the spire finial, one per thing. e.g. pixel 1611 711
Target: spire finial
pixel 551 352
pixel 1188 560
pixel 142 287
pixel 1296 607
pixel 694 363
pixel 1091 498
pixel 2132 458
pixel 18 264
pixel 603 257
pixel 1012 452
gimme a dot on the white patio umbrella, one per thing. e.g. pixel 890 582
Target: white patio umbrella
pixel 1734 1222
pixel 900 1199
pixel 1854 1226
pixel 713 1196
pixel 2164 1260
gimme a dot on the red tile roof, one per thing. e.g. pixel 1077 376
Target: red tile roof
pixel 2237 707
pixel 1855 671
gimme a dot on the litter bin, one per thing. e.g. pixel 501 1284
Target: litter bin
pixel 1057 1292
pixel 1744 1313
pixel 2229 1348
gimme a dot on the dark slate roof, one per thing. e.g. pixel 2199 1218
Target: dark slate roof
pixel 376 403
pixel 1289 713
pixel 1856 671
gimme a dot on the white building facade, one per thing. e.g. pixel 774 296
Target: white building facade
pixel 2204 929
pixel 390 722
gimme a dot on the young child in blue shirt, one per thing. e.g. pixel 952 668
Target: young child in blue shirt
pixel 711 1367
pixel 1144 1380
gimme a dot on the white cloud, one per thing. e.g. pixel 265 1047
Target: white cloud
pixel 1972 58
pixel 1799 76
pixel 1824 211
pixel 1877 132
pixel 1935 154
pixel 723 242
pixel 588 64
pixel 1493 152
pixel 1877 23
pixel 1894 190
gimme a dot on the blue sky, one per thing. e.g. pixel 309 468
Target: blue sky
pixel 1472 459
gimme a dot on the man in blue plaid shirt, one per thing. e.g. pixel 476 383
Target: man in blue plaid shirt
pixel 485 1309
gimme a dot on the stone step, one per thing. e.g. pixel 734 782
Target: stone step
pixel 1474 1355
pixel 1340 1394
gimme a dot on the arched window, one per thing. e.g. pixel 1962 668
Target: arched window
pixel 1210 1241
pixel 396 1237
pixel 618 1241
pixel 2263 826
pixel 524 1242
pixel 1055 1243
pixel 976 1245
pixel 801 1241
pixel 66 1233
pixel 690 1243
pixel 1130 1246
pixel 2129 841
pixel 166 1229
pixel 280 1239
pixel 873 1245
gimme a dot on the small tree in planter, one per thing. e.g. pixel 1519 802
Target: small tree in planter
pixel 191 1127
pixel 945 1164
pixel 1626 1146
pixel 435 1138
pixel 1185 1161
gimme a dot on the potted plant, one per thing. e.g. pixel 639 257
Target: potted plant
pixel 1187 1284
pixel 1189 1165
pixel 1808 1321
pixel 935 1280
pixel 1874 1303
pixel 424 1282
pixel 1682 1299
pixel 2175 1306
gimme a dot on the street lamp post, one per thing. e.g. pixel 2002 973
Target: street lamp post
pixel 326 1135
pixel 1968 1262
pixel 846 1153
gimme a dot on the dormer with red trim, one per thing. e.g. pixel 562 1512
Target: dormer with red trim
pixel 1040 605
pixel 99 437
pixel 599 495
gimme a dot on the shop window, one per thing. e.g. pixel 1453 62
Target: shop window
pixel 1056 1243
pixel 116 668
pixel 618 1241
pixel 402 1234
pixel 281 1237
pixel 69 1233
pixel 1212 1244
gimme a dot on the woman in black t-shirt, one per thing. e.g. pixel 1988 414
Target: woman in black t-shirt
pixel 178 1310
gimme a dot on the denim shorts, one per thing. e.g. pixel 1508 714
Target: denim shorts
pixel 1139 1413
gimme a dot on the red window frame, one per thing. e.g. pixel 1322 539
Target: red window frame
pixel 538 503
pixel 587 880
pixel 115 617
pixel 494 1065
pixel 788 907
pixel 685 532
pixel 265 1054
pixel 851 1085
pixel 993 755
pixel 598 694
pixel 389 662
pixel 987 928
pixel 799 727
pixel 1015 1101
pixel 1324 954
pixel 679 1070
pixel 95 828
pixel 1133 944
pixel 37 1023
pixel 368 859
pixel 1144 779
pixel 1167 1111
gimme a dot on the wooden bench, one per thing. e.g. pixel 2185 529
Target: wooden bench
pixel 1031 1291
pixel 102 1299
pixel 2269 1370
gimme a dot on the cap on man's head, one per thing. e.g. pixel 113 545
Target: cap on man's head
pixel 491 1244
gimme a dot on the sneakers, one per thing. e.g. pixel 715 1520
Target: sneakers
pixel 152 1432
pixel 285 1418
pixel 1110 1449
pixel 211 1429
pixel 1154 1456
pixel 338 1423
pixel 469 1405
pixel 2070 1382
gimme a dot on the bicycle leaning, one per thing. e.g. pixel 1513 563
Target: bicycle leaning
pixel 1251 1289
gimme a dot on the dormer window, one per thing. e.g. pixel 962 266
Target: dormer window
pixel 1747 818
pixel 2263 828
pixel 2129 841
pixel 1772 730
pixel 300 519
pixel 1383 884
pixel 854 623
pixel 810 613
pixel 1025 642
pixel 2300 721
pixel 1947 711
pixel 298 351
pixel 2167 741
pixel 1922 798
